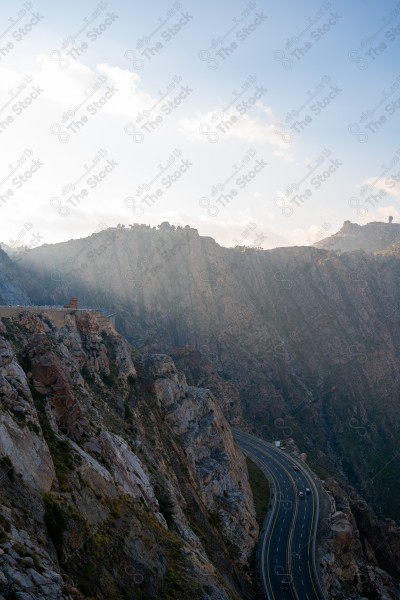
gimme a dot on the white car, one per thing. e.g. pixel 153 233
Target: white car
pixel 308 491
pixel 301 494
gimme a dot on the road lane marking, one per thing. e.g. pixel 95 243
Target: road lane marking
pixel 283 463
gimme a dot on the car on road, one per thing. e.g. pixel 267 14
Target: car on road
pixel 284 586
pixel 308 491
pixel 295 468
pixel 301 494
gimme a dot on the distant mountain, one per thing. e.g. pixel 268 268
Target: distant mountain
pixel 392 250
pixel 371 237
pixel 12 290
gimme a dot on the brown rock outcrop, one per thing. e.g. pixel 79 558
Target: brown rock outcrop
pixel 349 565
pixel 126 475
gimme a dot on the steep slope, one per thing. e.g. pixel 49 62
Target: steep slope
pixel 12 290
pixel 200 372
pixel 350 566
pixel 310 338
pixel 370 237
pixel 117 478
pixel 392 250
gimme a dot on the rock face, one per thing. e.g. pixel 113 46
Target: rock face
pixel 117 478
pixel 310 338
pixel 348 533
pixel 199 371
pixel 193 416
pixel 12 290
pixel 370 237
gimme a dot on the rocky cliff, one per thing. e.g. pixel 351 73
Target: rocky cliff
pixel 118 479
pixel 12 290
pixel 371 237
pixel 358 554
pixel 199 371
pixel 311 339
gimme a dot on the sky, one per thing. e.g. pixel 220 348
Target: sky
pixel 258 124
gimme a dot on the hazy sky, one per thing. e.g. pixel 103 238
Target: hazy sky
pixel 266 124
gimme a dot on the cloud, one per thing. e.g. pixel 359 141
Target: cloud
pixel 244 230
pixel 71 86
pixel 310 235
pixel 390 185
pixel 230 125
pixel 51 99
pixel 285 155
pixel 382 214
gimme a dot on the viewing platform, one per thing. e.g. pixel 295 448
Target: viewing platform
pixel 57 313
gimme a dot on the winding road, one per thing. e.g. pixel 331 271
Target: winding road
pixel 286 548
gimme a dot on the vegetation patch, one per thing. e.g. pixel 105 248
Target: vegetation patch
pixel 166 505
pixel 86 374
pixel 5 463
pixel 107 379
pixel 5 528
pixel 175 583
pixel 64 458
pixel 260 488
pixel 128 412
pixel 56 521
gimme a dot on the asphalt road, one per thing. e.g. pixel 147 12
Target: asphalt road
pixel 286 550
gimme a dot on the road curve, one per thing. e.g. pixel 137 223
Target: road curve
pixel 286 548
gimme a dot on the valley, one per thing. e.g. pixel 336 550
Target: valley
pixel 298 344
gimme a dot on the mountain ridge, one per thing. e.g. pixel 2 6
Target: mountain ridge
pixel 371 237
pixel 252 311
pixel 298 344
